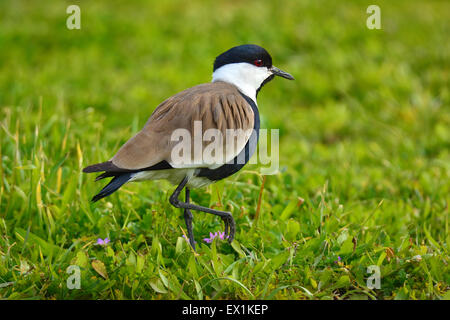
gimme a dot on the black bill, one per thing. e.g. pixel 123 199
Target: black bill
pixel 281 73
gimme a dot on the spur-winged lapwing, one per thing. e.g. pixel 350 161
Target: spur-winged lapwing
pixel 227 104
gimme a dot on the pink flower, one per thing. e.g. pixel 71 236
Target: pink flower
pixel 102 242
pixel 219 234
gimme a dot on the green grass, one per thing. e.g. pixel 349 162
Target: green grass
pixel 364 141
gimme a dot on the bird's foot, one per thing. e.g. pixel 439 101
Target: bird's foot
pixel 230 226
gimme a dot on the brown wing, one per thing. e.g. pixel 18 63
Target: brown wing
pixel 218 106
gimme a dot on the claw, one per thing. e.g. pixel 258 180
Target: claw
pixel 230 227
pixel 225 221
pixel 232 230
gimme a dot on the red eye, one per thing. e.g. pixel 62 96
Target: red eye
pixel 258 62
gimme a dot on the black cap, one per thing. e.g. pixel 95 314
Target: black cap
pixel 250 53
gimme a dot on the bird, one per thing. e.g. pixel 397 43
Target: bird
pixel 226 104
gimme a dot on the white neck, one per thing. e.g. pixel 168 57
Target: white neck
pixel 245 76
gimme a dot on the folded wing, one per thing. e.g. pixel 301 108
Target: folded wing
pixel 204 126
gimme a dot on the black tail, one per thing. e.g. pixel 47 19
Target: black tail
pixel 112 186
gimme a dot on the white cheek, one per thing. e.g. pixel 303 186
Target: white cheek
pixel 256 75
pixel 248 78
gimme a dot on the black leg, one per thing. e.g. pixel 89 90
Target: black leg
pixel 188 220
pixel 230 225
